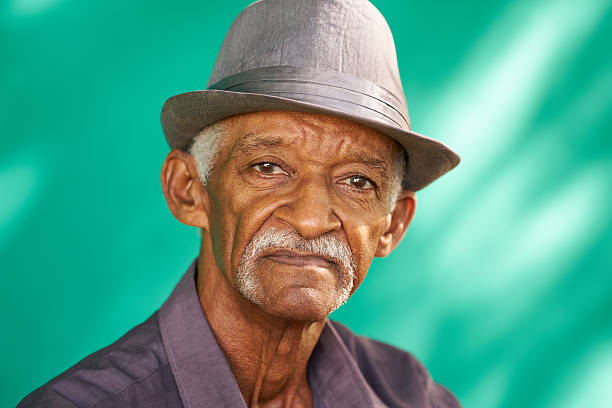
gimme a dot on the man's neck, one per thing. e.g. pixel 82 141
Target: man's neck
pixel 268 355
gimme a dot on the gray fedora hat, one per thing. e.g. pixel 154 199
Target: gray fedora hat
pixel 335 57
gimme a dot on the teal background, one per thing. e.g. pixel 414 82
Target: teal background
pixel 503 284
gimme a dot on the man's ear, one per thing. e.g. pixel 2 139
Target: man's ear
pixel 186 197
pixel 397 224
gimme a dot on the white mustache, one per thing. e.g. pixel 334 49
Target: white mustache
pixel 326 246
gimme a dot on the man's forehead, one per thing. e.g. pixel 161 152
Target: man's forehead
pixel 260 130
pixel 249 142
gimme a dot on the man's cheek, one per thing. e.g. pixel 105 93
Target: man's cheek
pixel 243 230
pixel 223 234
pixel 219 235
pixel 368 237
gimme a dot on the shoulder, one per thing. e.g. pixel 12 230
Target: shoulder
pixel 394 374
pixel 133 371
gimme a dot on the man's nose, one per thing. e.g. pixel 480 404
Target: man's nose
pixel 310 211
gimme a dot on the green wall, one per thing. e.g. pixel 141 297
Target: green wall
pixel 503 284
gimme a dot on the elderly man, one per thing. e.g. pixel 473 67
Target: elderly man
pixel 299 166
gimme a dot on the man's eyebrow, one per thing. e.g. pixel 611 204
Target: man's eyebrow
pixel 371 161
pixel 252 142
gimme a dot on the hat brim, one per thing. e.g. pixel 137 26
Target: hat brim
pixel 184 115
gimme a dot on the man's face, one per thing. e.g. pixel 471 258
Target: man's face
pixel 298 205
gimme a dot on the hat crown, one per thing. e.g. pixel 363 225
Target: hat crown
pixel 346 36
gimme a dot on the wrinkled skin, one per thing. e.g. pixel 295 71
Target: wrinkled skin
pixel 310 173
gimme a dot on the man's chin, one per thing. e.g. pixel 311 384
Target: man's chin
pixel 299 304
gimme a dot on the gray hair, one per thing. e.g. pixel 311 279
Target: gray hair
pixel 205 148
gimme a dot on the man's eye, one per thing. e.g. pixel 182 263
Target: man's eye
pixel 359 182
pixel 268 168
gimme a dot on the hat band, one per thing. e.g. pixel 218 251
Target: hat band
pixel 303 84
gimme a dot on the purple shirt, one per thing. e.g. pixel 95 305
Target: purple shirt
pixel 173 360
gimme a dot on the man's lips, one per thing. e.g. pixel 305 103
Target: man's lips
pixel 297 259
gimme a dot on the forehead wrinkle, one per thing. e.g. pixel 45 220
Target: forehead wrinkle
pixel 252 142
pixel 371 161
pixel 341 145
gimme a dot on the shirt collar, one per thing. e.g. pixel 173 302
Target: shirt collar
pixel 203 375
